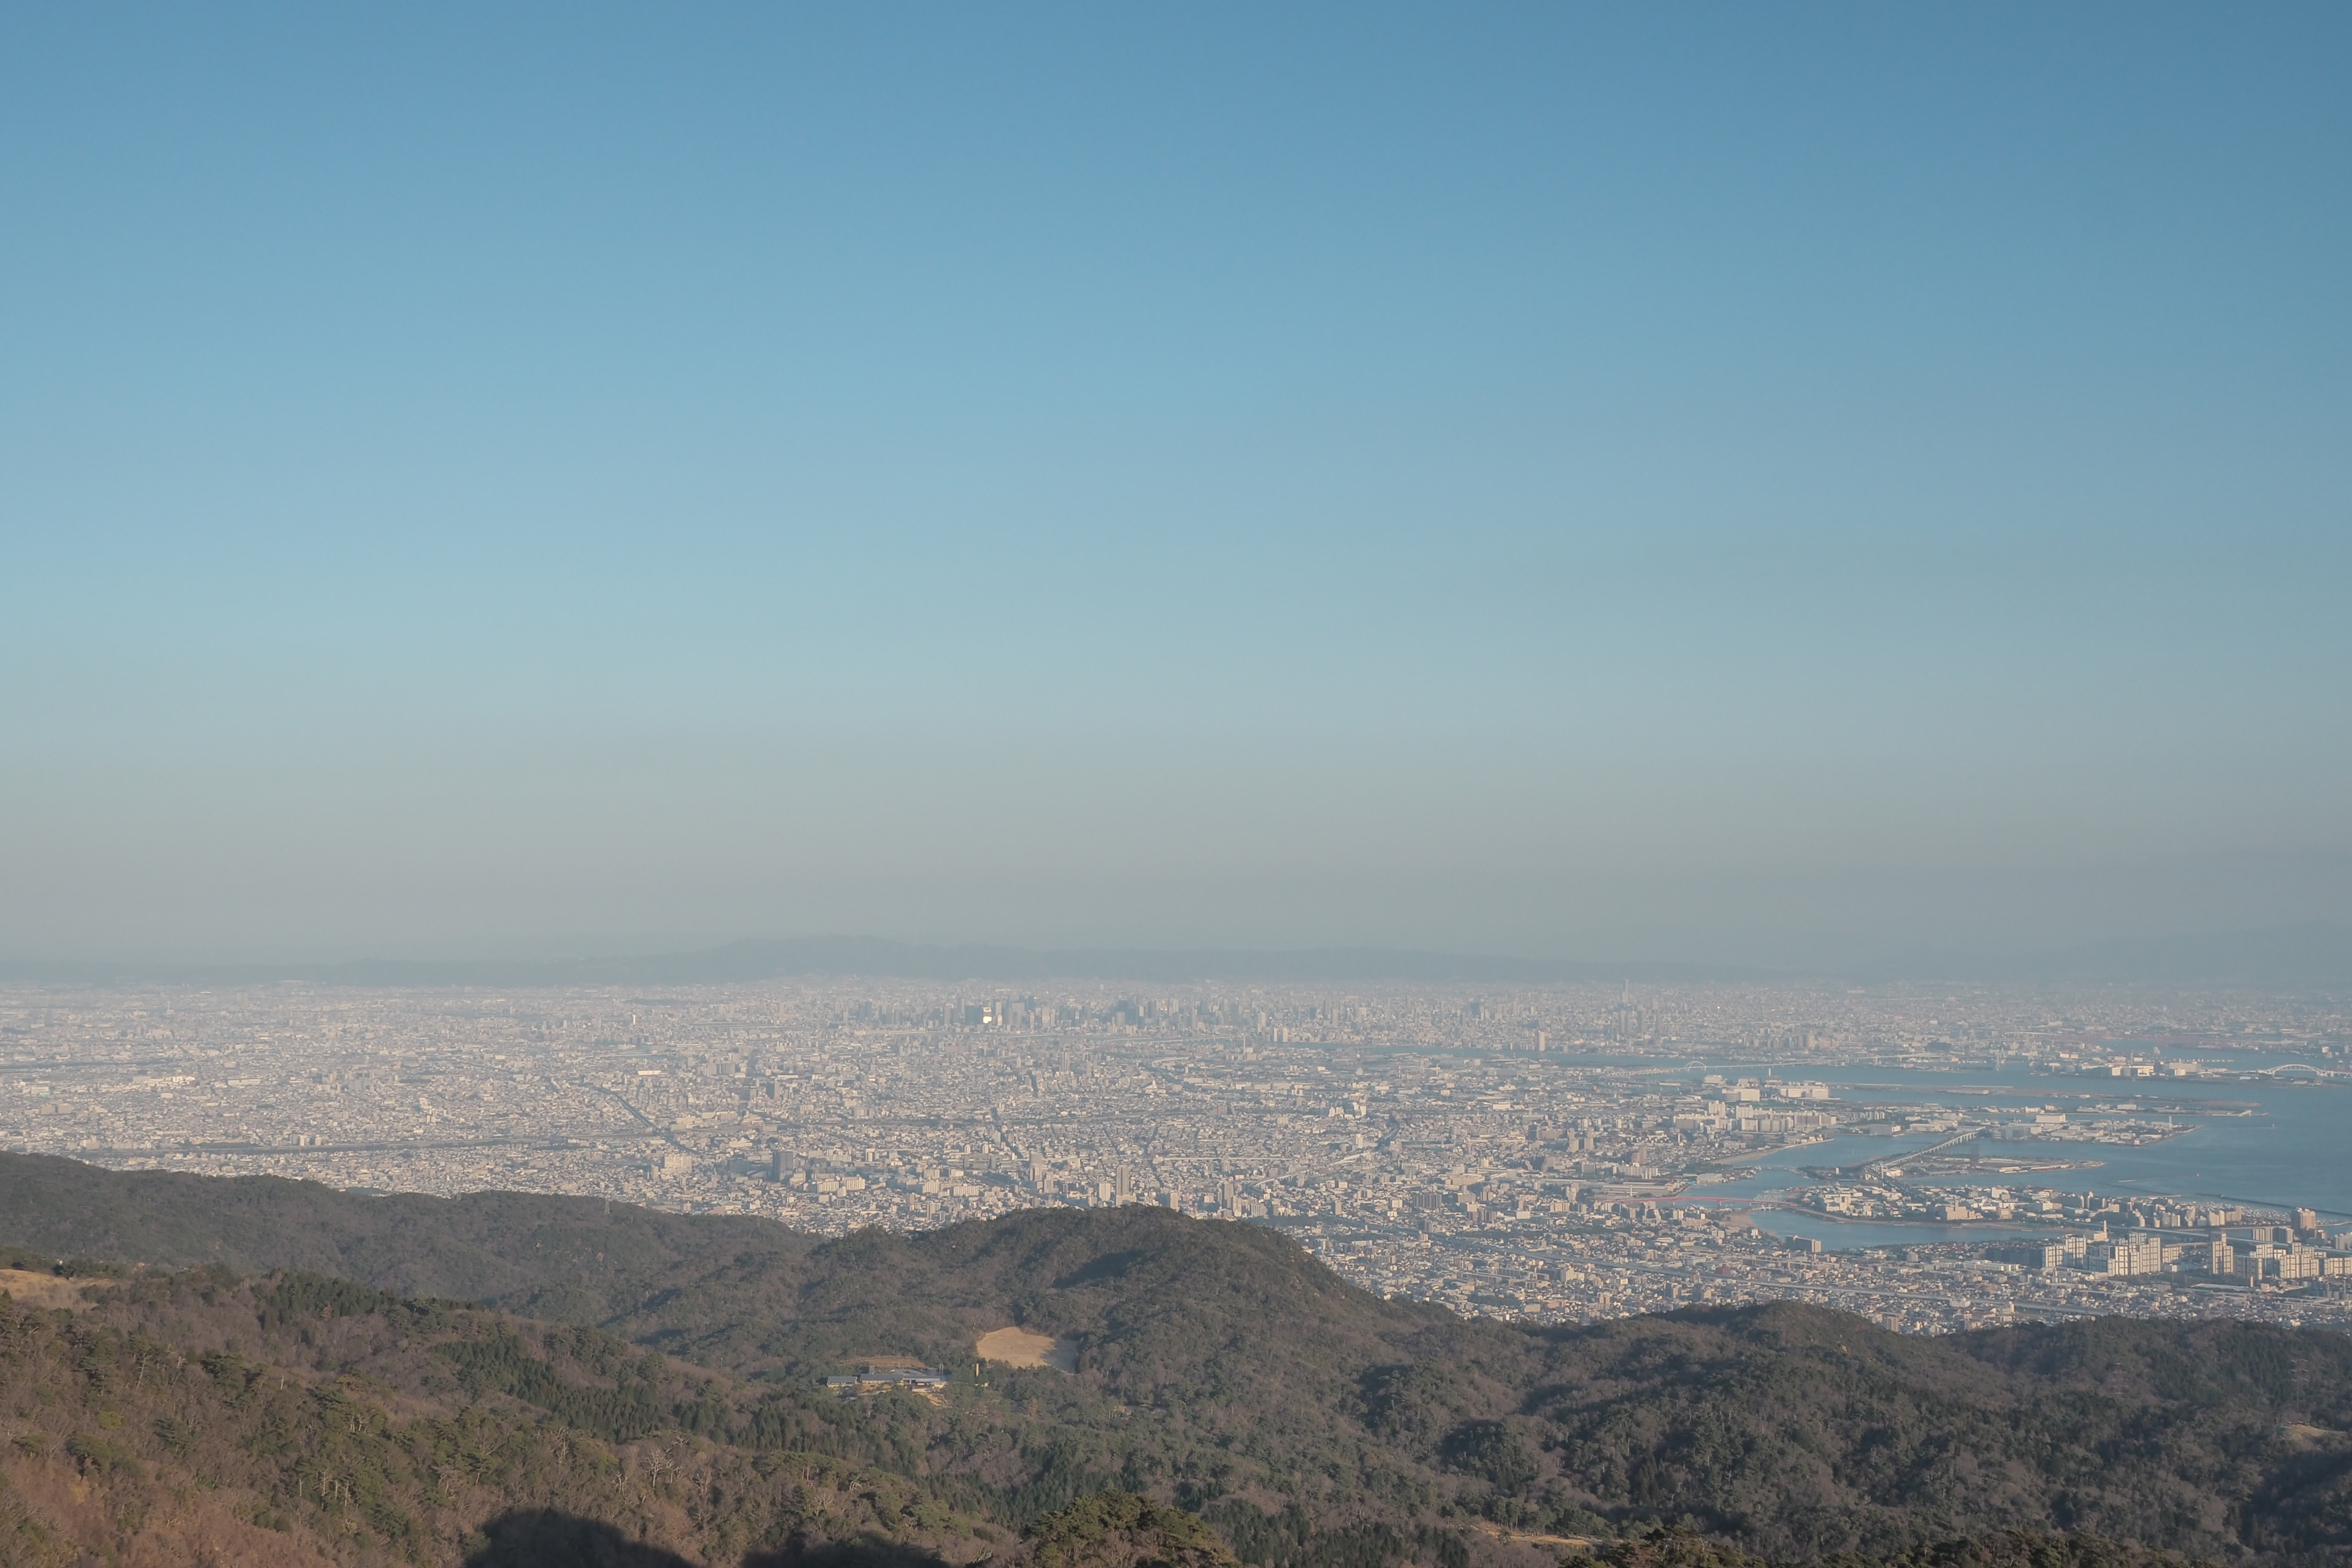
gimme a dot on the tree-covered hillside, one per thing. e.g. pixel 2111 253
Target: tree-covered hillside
pixel 580 1259
pixel 195 1417
pixel 1221 1369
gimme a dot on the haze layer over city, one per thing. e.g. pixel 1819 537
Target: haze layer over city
pixel 1749 487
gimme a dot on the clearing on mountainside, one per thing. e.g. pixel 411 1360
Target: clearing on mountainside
pixel 27 1289
pixel 1019 1347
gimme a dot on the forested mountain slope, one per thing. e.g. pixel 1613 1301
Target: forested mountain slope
pixel 575 1258
pixel 196 1419
pixel 1223 1369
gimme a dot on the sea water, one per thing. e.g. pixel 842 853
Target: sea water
pixel 2277 1145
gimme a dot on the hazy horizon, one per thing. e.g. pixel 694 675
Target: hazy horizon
pixel 2311 961
pixel 1725 487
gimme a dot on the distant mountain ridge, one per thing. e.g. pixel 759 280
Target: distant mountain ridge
pixel 2310 955
pixel 2307 955
pixel 846 956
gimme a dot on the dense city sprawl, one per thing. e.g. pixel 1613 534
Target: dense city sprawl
pixel 1556 1154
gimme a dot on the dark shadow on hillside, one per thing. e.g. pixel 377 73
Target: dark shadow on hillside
pixel 546 1538
pixel 866 1552
pixel 1109 1265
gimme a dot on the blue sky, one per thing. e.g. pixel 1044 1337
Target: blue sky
pixel 1774 484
